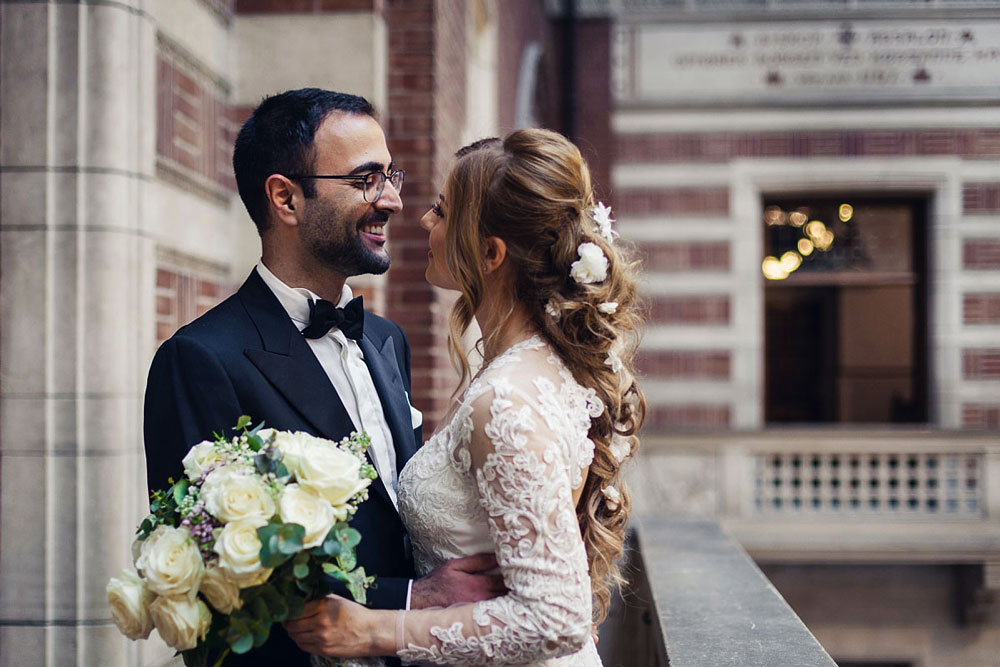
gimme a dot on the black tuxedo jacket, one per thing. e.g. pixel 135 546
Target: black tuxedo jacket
pixel 246 356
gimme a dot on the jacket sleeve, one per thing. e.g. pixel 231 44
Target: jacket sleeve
pixel 188 396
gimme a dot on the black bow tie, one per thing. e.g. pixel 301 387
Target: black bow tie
pixel 324 316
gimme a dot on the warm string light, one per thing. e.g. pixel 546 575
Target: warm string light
pixel 816 236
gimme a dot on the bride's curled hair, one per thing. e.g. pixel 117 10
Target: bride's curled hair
pixel 533 190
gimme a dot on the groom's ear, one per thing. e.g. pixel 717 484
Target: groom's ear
pixel 285 199
pixel 494 253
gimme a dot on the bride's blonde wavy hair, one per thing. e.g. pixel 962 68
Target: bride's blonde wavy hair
pixel 533 190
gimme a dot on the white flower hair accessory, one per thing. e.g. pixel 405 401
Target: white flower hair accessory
pixel 592 267
pixel 612 498
pixel 620 447
pixel 552 311
pixel 608 307
pixel 614 359
pixel 602 222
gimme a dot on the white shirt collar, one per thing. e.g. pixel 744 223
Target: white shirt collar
pixel 295 300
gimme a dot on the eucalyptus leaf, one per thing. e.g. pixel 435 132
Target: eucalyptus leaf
pixel 243 422
pixel 301 570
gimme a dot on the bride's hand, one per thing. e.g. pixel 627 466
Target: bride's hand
pixel 335 626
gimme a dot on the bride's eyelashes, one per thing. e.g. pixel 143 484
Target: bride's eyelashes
pixel 436 208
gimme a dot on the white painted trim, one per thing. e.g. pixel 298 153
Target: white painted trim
pixel 673 175
pixel 675 229
pixel 693 337
pixel 687 392
pixel 757 120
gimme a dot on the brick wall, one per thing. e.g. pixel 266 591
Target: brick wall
pixel 196 126
pixel 182 294
pixel 424 125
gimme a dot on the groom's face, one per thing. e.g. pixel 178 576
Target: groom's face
pixel 338 227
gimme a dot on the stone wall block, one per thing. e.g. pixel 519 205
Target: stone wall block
pixel 21 646
pixel 22 312
pixel 110 87
pixel 109 307
pixel 23 201
pixel 23 58
pixel 23 514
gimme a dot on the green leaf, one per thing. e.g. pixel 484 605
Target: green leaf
pixel 243 422
pixel 301 570
pixel 239 637
pixel 279 542
pixel 255 443
pixel 336 572
pixel 275 603
pixel 290 537
pixel 331 545
pixel 179 490
pixel 257 428
pixel 347 559
pixel 349 537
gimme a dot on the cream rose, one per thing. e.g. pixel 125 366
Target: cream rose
pixel 171 562
pixel 331 473
pixel 308 510
pixel 221 592
pixel 200 458
pixel 239 552
pixel 231 493
pixel 290 446
pixel 129 599
pixel 181 622
pixel 592 267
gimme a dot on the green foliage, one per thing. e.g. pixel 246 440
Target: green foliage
pixel 279 542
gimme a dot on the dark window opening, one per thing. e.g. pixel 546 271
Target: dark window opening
pixel 845 309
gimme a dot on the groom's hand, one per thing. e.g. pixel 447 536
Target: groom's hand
pixel 468 579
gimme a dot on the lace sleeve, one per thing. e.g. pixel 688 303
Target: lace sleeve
pixel 524 482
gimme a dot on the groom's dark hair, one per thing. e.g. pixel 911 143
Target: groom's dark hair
pixel 278 139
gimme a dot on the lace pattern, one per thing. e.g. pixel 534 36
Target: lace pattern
pixel 499 476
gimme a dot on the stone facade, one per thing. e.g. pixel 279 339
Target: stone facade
pixel 120 223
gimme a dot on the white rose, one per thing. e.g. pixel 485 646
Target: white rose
pixel 233 492
pixel 331 473
pixel 612 498
pixel 308 510
pixel 608 307
pixel 592 267
pixel 129 599
pixel 181 622
pixel 171 562
pixel 290 446
pixel 221 592
pixel 200 458
pixel 239 552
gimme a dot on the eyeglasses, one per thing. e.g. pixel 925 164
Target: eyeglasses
pixel 374 182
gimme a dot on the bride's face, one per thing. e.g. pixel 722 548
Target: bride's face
pixel 437 273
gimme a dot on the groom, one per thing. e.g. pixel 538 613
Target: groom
pixel 292 347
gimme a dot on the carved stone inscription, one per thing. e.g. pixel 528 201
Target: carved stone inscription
pixel 808 62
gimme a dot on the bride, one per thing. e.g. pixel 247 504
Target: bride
pixel 527 462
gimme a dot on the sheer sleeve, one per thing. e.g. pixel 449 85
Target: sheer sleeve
pixel 521 457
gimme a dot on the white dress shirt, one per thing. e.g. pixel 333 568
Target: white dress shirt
pixel 344 363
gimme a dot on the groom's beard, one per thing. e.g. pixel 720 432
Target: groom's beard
pixel 338 244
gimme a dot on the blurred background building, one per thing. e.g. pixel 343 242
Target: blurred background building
pixel 814 188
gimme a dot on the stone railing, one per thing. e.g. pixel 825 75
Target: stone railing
pixel 855 495
pixel 695 599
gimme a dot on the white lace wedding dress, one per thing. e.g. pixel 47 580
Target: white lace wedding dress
pixel 499 477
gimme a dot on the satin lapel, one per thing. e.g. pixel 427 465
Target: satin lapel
pixel 389 385
pixel 290 365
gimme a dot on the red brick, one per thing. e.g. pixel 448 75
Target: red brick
pixel 981 364
pixel 689 310
pixel 981 308
pixel 694 416
pixel 165 278
pixel 685 256
pixel 164 330
pixel 692 364
pixel 164 306
pixel 981 254
pixel 673 201
pixel 981 416
pixel 979 198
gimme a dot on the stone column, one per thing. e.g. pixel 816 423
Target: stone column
pixel 77 120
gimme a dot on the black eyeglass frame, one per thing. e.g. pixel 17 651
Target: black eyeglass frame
pixel 362 178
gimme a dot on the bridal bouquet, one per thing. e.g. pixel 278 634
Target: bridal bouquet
pixel 244 540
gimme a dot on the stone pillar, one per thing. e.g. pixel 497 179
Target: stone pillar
pixel 77 120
